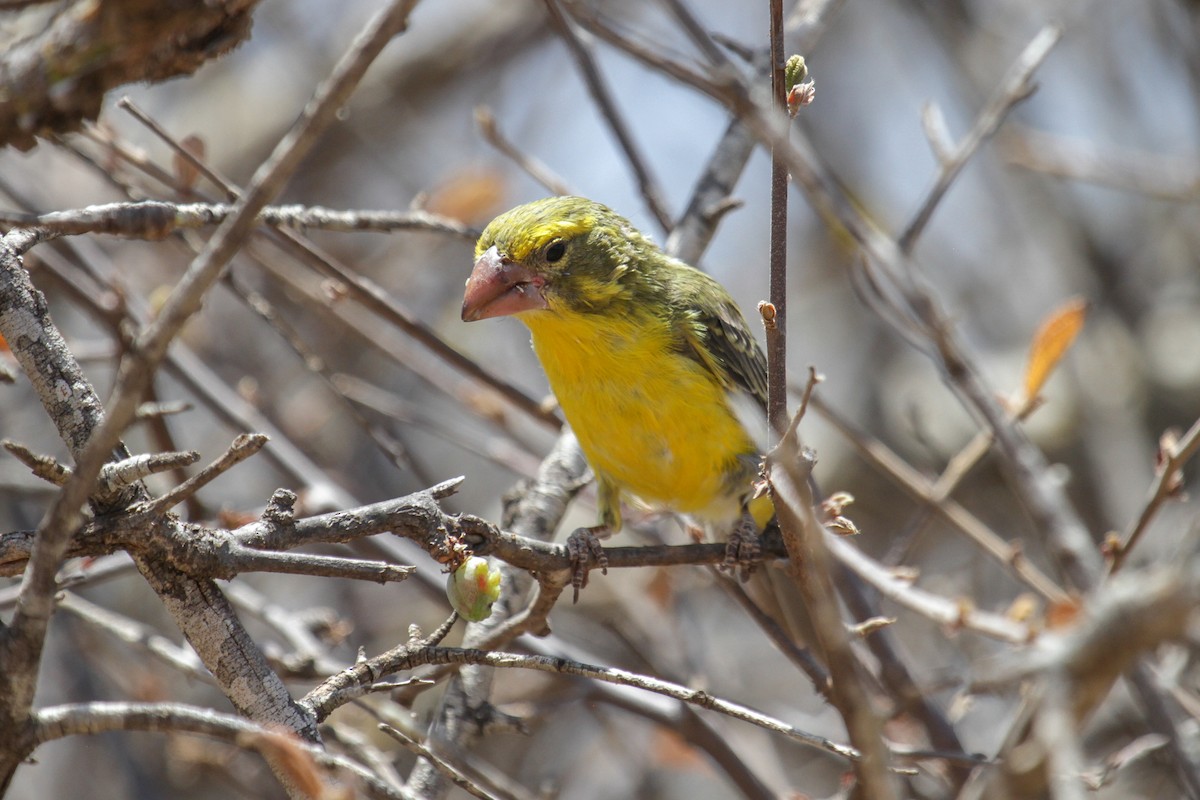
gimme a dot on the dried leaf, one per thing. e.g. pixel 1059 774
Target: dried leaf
pixel 660 589
pixel 671 750
pixel 487 404
pixel 471 195
pixel 232 518
pixel 1060 615
pixel 284 750
pixel 186 172
pixel 1051 342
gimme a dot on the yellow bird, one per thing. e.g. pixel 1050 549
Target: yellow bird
pixel 646 356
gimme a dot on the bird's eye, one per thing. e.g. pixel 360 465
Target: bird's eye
pixel 556 251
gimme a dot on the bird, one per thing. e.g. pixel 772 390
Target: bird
pixel 649 358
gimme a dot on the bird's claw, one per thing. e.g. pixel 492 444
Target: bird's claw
pixel 743 550
pixel 585 553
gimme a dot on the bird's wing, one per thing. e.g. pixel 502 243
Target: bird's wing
pixel 719 338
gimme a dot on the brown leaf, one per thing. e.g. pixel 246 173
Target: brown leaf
pixel 1051 342
pixel 659 590
pixel 471 195
pixel 1060 615
pixel 233 518
pixel 671 750
pixel 185 171
pixel 283 749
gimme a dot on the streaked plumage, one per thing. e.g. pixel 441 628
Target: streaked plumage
pixel 643 352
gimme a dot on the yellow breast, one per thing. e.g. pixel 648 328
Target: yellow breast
pixel 652 420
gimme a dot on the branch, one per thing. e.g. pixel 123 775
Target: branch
pixel 1131 615
pixel 788 472
pixel 447 770
pixel 535 509
pixel 1174 455
pixel 244 446
pixel 920 488
pixel 602 96
pixel 53 80
pixel 158 219
pixel 79 719
pixel 486 120
pixel 405 658
pixel 1015 87
pixel 198 606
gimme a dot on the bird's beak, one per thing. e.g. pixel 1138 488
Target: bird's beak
pixel 499 287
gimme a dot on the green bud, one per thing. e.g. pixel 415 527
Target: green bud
pixel 794 71
pixel 473 588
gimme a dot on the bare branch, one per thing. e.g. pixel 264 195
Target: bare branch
pixel 157 219
pixel 47 90
pixel 582 53
pixel 1175 455
pixel 244 446
pixel 788 472
pixel 532 167
pixel 57 722
pixel 448 771
pixel 1013 88
pixel 45 467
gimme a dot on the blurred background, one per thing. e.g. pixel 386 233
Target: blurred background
pixel 1089 189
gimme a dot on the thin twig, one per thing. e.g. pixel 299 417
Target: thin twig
pixel 244 559
pixel 800 656
pixel 184 153
pixel 1013 88
pixel 1164 486
pixel 57 722
pixel 776 330
pixel 364 291
pixel 534 168
pixel 602 96
pixel 157 219
pixel 1154 175
pixel 244 446
pixel 117 476
pixel 452 773
pixel 42 466
pixel 181 658
pixel 919 487
pixel 804 537
pixel 899 588
pixel 1055 728
pixel 322 700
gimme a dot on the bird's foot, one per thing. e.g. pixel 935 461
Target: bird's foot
pixel 585 552
pixel 743 550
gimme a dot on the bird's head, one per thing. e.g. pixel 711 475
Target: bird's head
pixel 561 254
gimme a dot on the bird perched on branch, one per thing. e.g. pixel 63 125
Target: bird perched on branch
pixel 646 356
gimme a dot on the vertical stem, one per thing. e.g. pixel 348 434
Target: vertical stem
pixel 777 328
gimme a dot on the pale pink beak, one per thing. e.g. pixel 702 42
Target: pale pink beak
pixel 499 287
